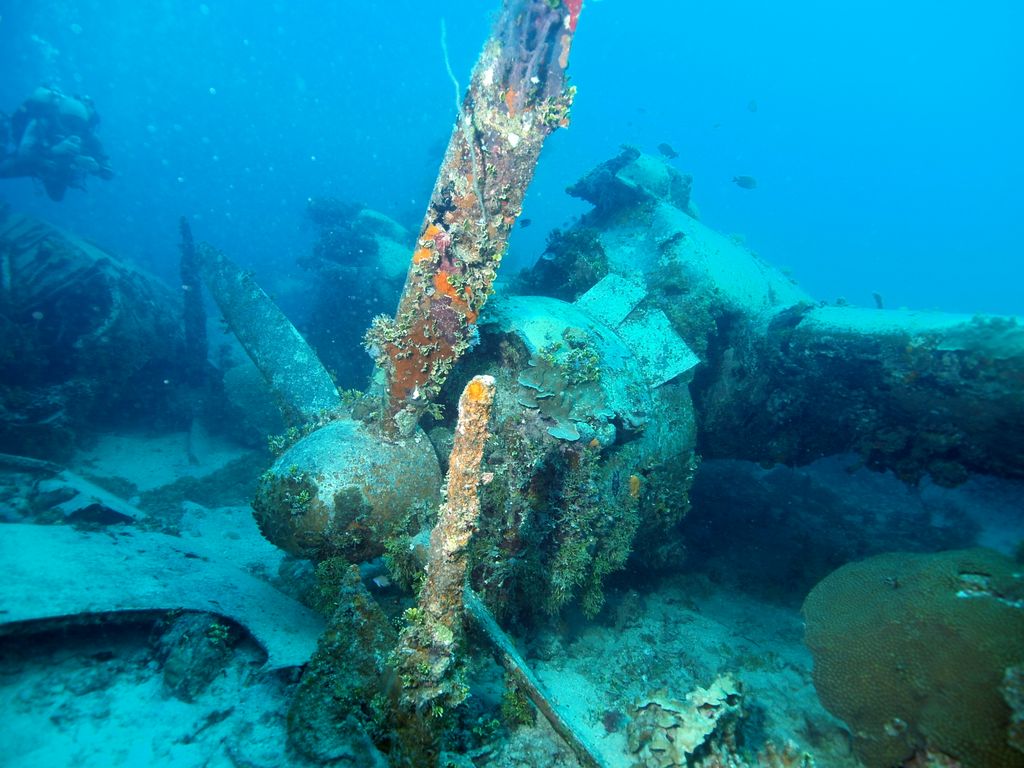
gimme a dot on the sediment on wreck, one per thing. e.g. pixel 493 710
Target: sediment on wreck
pixel 86 340
pixel 914 392
pixel 785 379
pixel 517 96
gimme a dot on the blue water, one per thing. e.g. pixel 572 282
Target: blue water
pixel 885 139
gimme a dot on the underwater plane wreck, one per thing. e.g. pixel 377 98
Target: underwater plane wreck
pixel 523 442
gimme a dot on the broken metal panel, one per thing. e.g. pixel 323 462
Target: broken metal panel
pixel 71 573
pixel 786 381
pixel 612 299
pixel 649 231
pixel 581 377
pixel 659 350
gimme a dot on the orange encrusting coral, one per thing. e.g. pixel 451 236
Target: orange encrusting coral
pixel 478 389
pixel 406 377
pixel 444 286
pixel 428 244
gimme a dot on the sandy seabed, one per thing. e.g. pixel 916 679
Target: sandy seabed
pixel 94 694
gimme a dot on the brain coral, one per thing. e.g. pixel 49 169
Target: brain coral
pixel 911 650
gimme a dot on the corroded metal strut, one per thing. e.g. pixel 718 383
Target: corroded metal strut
pixel 517 96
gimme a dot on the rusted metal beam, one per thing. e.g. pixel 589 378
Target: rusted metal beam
pixel 517 96
pixel 428 655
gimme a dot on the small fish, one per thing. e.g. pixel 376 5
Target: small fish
pixel 752 105
pixel 525 222
pixel 668 151
pixel 97 515
pixel 745 182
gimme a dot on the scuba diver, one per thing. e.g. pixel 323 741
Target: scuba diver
pixel 52 137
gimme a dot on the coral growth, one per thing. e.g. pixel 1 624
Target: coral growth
pixel 557 521
pixel 911 650
pixel 665 733
pixel 562 383
pixel 727 756
pixel 582 459
pixel 592 536
pixel 339 706
pixel 572 263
